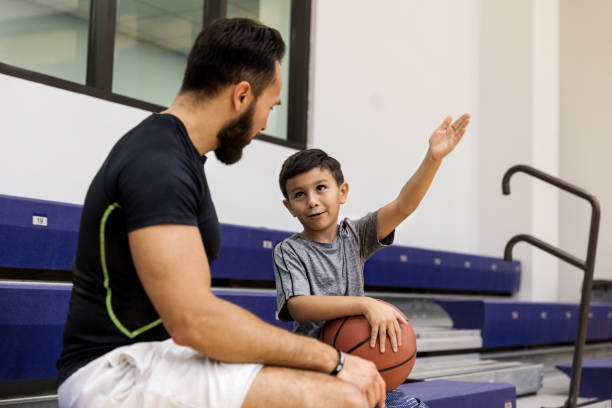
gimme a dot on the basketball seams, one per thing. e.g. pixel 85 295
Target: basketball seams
pixel 398 365
pixel 359 345
pixel 338 331
pixel 411 357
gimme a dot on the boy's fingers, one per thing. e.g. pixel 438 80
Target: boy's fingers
pixel 373 334
pixel 398 332
pixel 393 338
pixel 446 122
pixel 382 338
pixel 401 317
pixel 459 124
pixel 462 121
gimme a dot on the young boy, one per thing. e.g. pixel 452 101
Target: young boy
pixel 319 272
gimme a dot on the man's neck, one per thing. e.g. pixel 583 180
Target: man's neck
pixel 202 119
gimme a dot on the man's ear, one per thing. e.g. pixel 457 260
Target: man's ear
pixel 288 206
pixel 343 191
pixel 242 95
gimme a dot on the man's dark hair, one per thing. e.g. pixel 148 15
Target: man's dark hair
pixel 232 50
pixel 304 161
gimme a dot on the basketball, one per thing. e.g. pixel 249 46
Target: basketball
pixel 351 335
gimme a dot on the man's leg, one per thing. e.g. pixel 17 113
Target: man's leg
pixel 286 387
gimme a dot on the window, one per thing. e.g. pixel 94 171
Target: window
pixel 152 41
pixel 45 36
pixel 276 14
pixel 134 51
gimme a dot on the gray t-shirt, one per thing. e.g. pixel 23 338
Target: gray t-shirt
pixel 306 267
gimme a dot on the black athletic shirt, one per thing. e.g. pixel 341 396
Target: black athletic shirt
pixel 153 175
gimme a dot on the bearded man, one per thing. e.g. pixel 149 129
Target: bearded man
pixel 144 328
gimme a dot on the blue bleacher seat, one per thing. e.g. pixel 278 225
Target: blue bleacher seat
pixel 406 267
pixel 506 323
pixel 38 234
pixel 32 322
pixel 246 253
pixel 462 394
pixel 596 378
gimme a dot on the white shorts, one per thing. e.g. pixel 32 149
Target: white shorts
pixel 157 374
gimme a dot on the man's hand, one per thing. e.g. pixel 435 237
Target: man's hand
pixel 384 321
pixel 446 136
pixel 365 376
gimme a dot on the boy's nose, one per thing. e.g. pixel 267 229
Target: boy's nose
pixel 312 202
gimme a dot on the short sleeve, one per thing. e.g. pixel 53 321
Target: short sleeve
pixel 367 230
pixel 158 188
pixel 291 278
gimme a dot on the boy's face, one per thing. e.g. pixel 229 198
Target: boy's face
pixel 315 198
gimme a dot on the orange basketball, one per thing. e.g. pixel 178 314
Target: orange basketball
pixel 352 335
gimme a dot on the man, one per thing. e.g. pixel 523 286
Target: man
pixel 144 328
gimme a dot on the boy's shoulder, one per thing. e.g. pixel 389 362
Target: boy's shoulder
pixel 288 243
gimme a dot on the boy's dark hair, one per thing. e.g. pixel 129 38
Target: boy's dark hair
pixel 305 160
pixel 232 50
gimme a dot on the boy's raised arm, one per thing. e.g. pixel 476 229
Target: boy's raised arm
pixel 441 143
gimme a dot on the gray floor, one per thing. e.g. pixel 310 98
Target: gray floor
pixel 552 394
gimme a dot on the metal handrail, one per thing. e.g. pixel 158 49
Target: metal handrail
pixel 587 266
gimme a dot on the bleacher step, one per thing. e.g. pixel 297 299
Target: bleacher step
pixel 40 401
pixel 527 378
pixel 440 339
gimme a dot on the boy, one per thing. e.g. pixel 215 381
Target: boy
pixel 319 272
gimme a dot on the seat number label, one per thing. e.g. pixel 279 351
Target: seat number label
pixel 39 220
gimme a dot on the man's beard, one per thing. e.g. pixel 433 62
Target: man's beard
pixel 234 136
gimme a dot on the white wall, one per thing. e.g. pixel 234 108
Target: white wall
pixel 519 107
pixel 506 125
pixel 586 138
pixel 384 78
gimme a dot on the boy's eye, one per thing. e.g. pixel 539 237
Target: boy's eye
pixel 321 187
pixel 298 194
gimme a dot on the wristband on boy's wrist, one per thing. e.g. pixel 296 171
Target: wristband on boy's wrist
pixel 339 365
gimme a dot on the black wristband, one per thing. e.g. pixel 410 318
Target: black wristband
pixel 339 365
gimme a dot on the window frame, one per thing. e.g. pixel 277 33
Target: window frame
pixel 100 62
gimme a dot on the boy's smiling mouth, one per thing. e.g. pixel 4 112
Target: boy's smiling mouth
pixel 316 215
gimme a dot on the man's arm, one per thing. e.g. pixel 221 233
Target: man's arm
pixel 441 143
pixel 383 319
pixel 171 263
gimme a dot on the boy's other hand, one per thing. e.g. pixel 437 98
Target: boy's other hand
pixel 446 136
pixel 384 321
pixel 363 374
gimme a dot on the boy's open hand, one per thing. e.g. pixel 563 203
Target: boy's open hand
pixel 446 136
pixel 383 320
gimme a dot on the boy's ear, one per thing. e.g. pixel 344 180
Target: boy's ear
pixel 343 192
pixel 288 206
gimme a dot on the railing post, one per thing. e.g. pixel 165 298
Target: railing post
pixel 587 266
